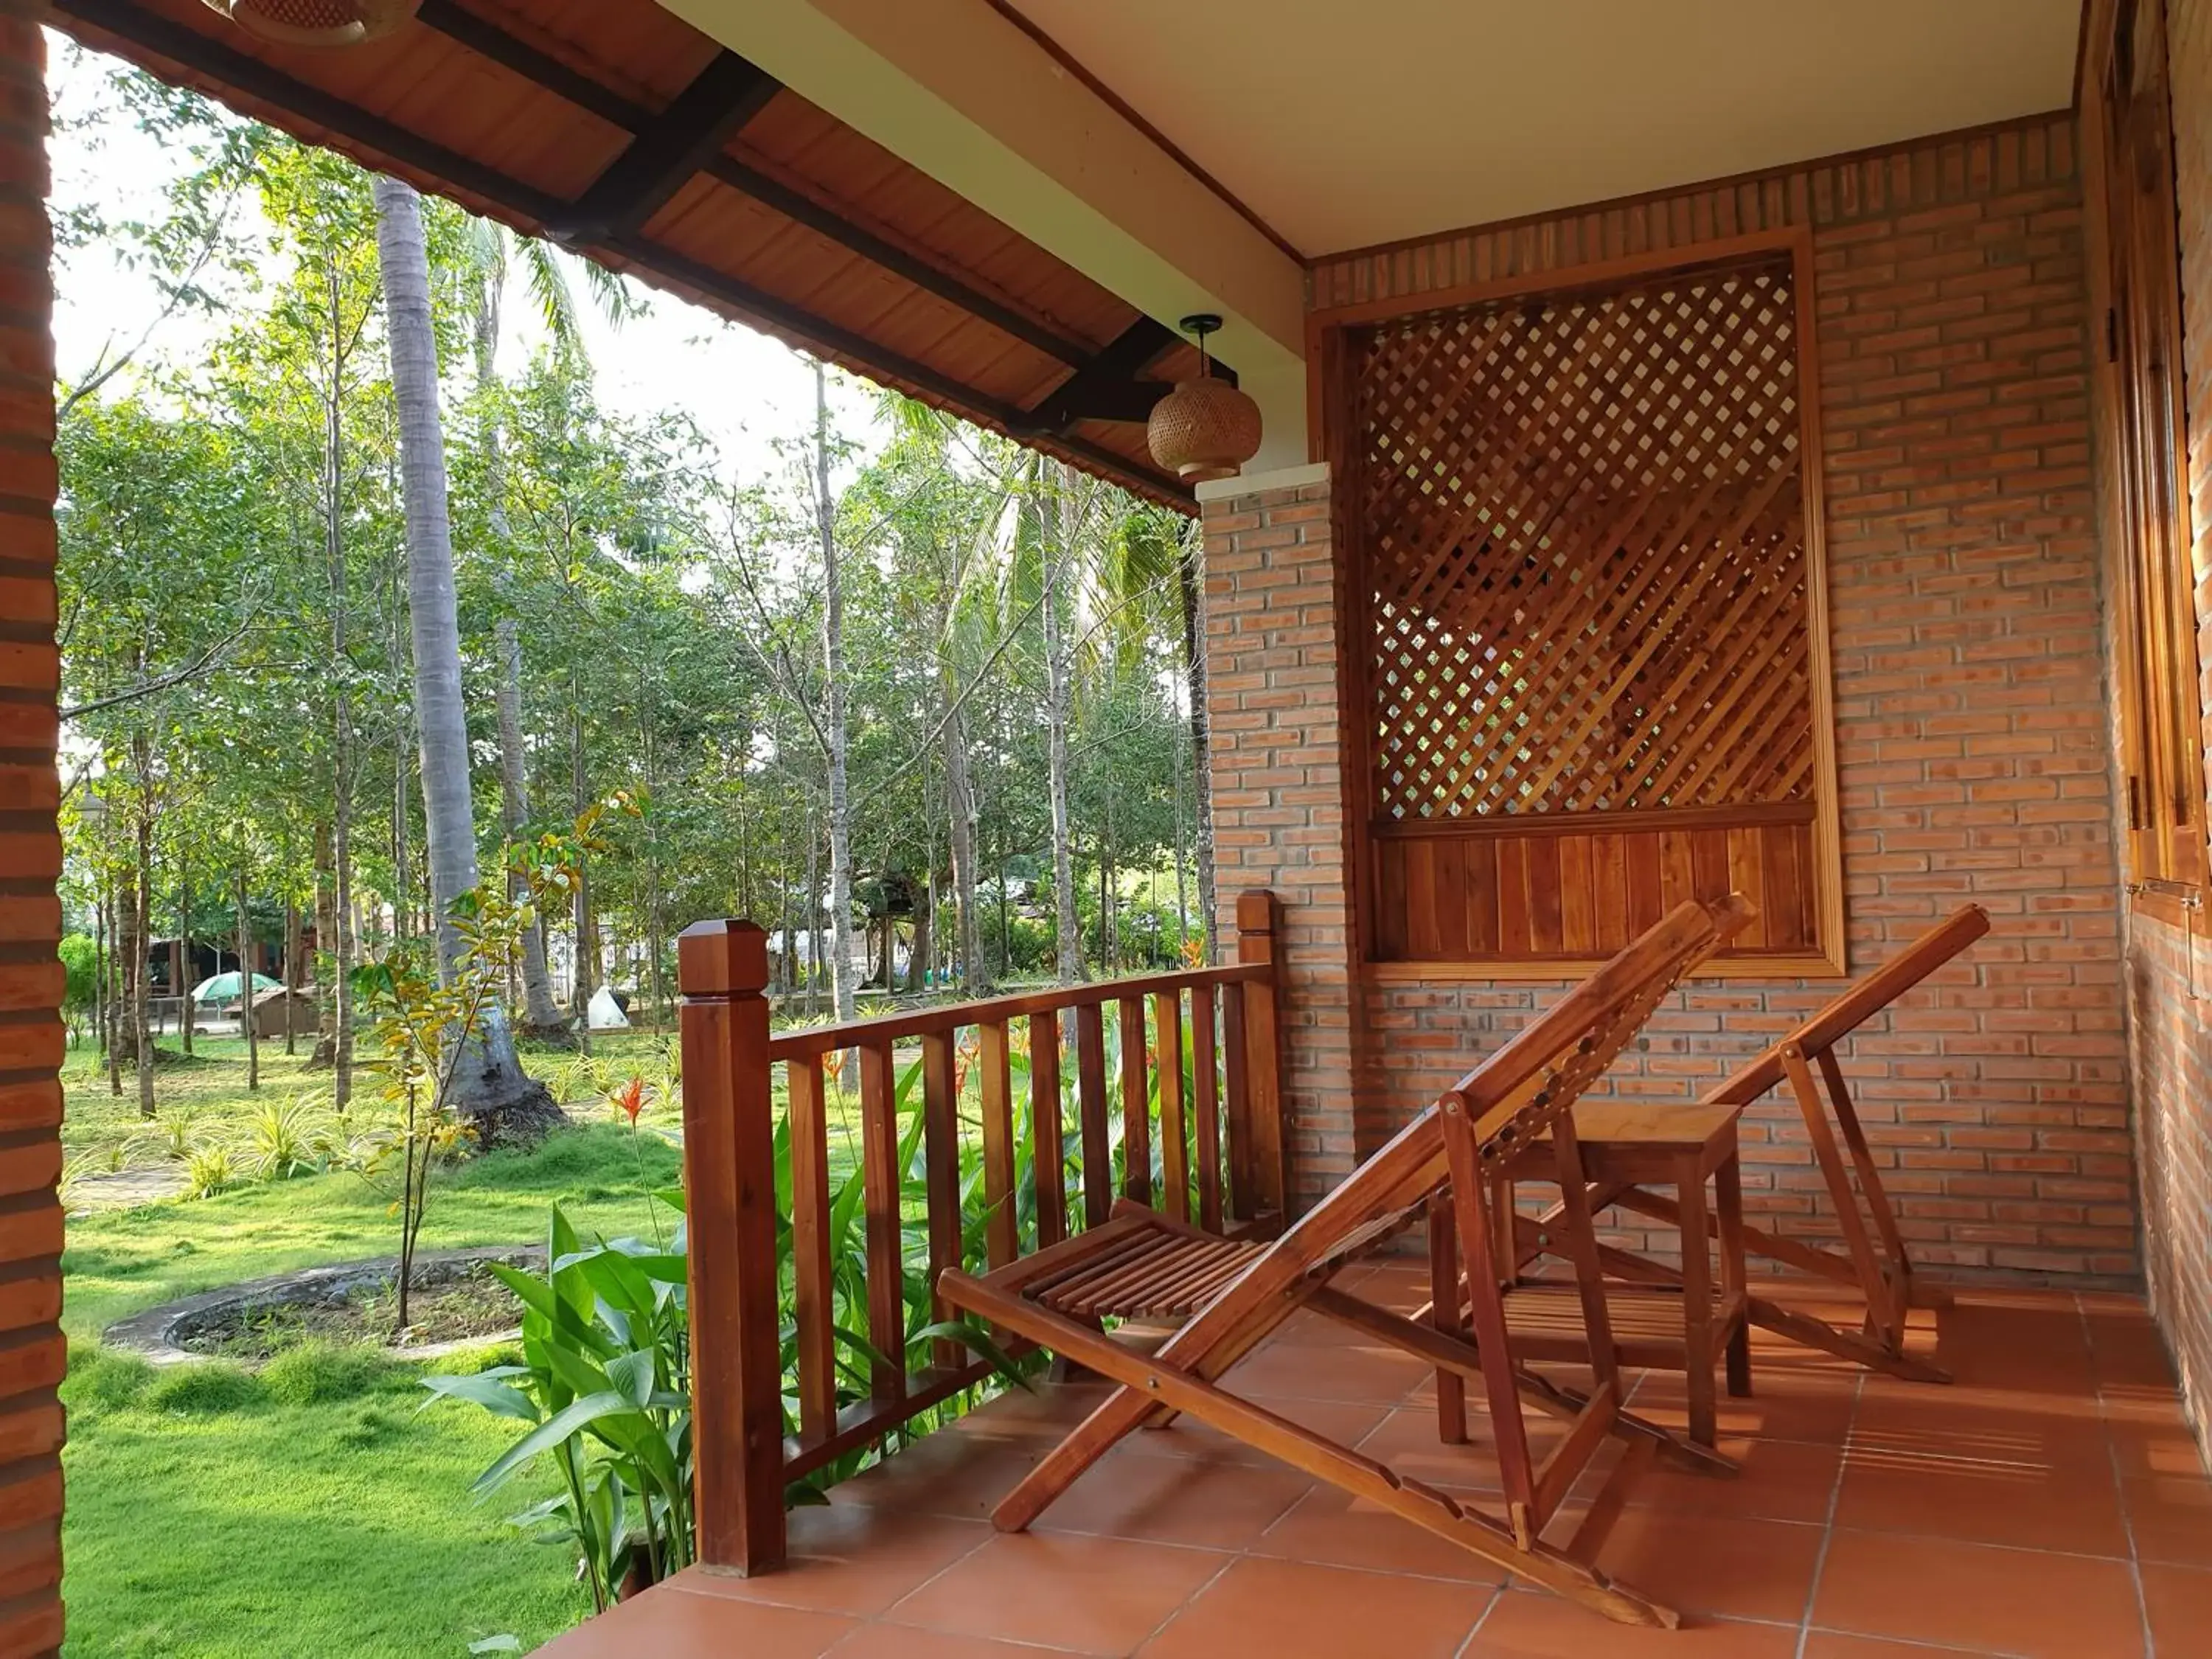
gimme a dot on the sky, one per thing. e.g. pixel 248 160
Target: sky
pixel 744 389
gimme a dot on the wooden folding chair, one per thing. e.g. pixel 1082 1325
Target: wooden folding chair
pixel 1236 1294
pixel 1874 1261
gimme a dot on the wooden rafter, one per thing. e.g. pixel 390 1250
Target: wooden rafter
pixel 670 147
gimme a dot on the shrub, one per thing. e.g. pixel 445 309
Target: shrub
pixel 209 1387
pixel 469 1362
pixel 208 1171
pixel 314 1372
pixel 107 1379
pixel 286 1137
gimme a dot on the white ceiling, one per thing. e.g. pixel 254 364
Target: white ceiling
pixel 1344 123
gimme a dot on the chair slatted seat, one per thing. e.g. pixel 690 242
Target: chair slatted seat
pixel 1234 1296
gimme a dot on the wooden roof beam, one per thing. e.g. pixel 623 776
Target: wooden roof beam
pixel 488 41
pixel 377 143
pixel 1108 387
pixel 668 152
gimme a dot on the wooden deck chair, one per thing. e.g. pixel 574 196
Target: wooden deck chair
pixel 1236 1294
pixel 1873 1261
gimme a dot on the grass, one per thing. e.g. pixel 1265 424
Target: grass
pixel 306 1508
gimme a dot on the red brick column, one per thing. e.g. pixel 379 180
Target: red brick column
pixel 1279 803
pixel 30 1351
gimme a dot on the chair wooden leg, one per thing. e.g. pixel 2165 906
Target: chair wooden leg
pixel 1444 1314
pixel 1728 1206
pixel 1147 1379
pixel 1697 1344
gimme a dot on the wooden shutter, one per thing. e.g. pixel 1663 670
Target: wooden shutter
pixel 2156 666
pixel 1596 678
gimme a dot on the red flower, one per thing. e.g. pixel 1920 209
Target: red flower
pixel 630 1099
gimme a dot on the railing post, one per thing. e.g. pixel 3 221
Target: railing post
pixel 1258 921
pixel 729 1168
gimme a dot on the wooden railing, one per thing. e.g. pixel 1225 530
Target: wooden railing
pixel 1220 1157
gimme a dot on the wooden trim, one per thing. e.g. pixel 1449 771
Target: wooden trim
pixel 1757 176
pixel 1575 279
pixel 1113 101
pixel 1736 965
pixel 1595 824
pixel 1831 923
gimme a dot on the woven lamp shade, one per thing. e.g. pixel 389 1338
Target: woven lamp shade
pixel 316 23
pixel 1204 428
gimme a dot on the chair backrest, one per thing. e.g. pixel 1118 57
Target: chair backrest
pixel 1867 998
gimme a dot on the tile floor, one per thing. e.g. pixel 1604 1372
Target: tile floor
pixel 2050 1504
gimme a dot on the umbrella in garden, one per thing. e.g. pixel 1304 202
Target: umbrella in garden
pixel 223 987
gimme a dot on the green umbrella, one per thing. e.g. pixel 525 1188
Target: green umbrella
pixel 223 987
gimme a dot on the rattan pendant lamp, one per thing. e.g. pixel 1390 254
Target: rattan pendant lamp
pixel 316 23
pixel 1205 427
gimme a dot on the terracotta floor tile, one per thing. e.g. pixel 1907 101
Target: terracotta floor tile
pixel 2178 1600
pixel 1088 1594
pixel 1021 1416
pixel 2172 1518
pixel 1777 1481
pixel 1291 1610
pixel 1406 1441
pixel 672 1620
pixel 1526 1625
pixel 943 1474
pixel 1330 1528
pixel 1362 1374
pixel 1973 1595
pixel 1814 1407
pixel 1983 1491
pixel 1824 1645
pixel 1981 1428
pixel 853 1557
pixel 1217 1504
pixel 2149 1436
pixel 1346 1424
pixel 906 1641
pixel 1723 1568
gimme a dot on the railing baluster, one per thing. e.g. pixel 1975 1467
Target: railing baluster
pixel 1045 1128
pixel 1091 1102
pixel 1255 945
pixel 1001 1235
pixel 810 1247
pixel 940 1164
pixel 881 1177
pixel 1136 1109
pixel 1175 1156
pixel 1205 1105
pixel 1243 1177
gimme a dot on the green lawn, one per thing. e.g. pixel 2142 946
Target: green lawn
pixel 206 1525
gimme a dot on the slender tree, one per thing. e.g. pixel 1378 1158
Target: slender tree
pixel 491 1088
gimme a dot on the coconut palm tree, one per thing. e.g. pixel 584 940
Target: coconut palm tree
pixel 491 1088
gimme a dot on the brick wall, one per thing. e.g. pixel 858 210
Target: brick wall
pixel 1272 665
pixel 31 1351
pixel 2170 1034
pixel 1969 700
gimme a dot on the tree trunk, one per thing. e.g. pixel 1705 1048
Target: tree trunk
pixel 489 1087
pixel 245 988
pixel 833 674
pixel 291 973
pixel 1193 669
pixel 1057 545
pixel 584 971
pixel 142 972
pixel 960 815
pixel 541 1015
pixel 180 958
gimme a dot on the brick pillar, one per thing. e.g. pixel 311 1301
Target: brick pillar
pixel 1273 649
pixel 30 1351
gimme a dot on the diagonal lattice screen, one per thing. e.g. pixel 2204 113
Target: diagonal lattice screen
pixel 1584 540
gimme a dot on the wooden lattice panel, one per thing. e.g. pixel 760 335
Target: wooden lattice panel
pixel 1593 686
pixel 1585 548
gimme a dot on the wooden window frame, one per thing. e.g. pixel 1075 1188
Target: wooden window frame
pixel 2143 437
pixel 1329 393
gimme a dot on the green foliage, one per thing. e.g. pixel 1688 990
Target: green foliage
pixel 313 1373
pixel 204 1386
pixel 107 1379
pixel 210 1170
